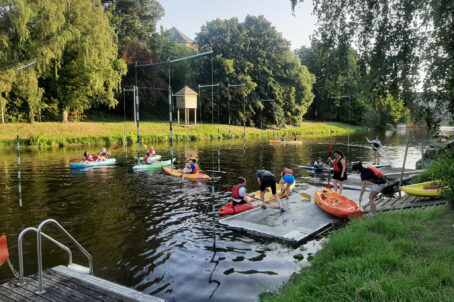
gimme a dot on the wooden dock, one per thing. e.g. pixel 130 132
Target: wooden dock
pixel 406 201
pixel 66 285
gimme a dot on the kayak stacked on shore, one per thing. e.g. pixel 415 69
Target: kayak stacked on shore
pixel 429 189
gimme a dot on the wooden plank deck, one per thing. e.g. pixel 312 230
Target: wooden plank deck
pixel 406 201
pixel 65 285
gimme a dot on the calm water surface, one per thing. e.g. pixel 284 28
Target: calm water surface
pixel 154 232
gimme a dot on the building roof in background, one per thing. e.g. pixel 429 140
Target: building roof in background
pixel 185 91
pixel 180 37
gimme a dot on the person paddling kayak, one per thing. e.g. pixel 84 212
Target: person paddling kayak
pixel 266 179
pixel 191 167
pixel 239 194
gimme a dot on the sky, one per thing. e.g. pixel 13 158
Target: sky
pixel 189 16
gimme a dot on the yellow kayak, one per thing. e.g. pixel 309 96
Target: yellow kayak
pixel 429 188
pixel 269 196
pixel 286 142
pixel 197 176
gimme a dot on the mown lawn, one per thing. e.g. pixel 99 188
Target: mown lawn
pixel 398 256
pixel 61 134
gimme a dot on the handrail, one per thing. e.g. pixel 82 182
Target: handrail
pixel 40 260
pixel 21 254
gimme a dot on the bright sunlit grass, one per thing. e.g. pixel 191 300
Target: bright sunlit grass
pixel 60 134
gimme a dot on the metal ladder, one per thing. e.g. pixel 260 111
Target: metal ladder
pixel 39 235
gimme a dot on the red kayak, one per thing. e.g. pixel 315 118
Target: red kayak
pixel 229 209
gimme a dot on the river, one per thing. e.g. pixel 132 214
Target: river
pixel 154 232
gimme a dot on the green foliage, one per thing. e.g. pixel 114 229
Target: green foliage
pixel 388 110
pixel 76 53
pixel 442 169
pixel 338 90
pixel 406 254
pixel 395 39
pixel 254 53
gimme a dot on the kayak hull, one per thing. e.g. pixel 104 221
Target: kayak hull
pixel 429 189
pixel 382 165
pixel 176 173
pixel 229 209
pixel 336 204
pixel 286 142
pixel 110 161
pixel 150 167
pixel 153 158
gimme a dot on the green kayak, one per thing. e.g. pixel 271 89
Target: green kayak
pixel 154 158
pixel 153 166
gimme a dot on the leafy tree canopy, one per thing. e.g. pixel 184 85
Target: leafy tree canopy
pixel 254 53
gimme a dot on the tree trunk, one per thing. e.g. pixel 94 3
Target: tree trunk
pixel 64 118
pixel 31 117
pixel 3 116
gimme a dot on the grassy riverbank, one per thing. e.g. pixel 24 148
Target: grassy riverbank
pixel 399 256
pixel 61 134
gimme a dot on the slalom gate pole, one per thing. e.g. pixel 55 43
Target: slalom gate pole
pixel 18 172
pixel 136 92
pixel 170 123
pixel 403 165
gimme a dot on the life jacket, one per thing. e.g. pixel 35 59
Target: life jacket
pixel 288 171
pixel 337 165
pixel 379 174
pixel 151 150
pixel 236 194
pixel 104 154
pixel 196 169
pixel 145 159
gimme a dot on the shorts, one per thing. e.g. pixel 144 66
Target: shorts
pixel 378 187
pixel 268 182
pixel 236 203
pixel 337 175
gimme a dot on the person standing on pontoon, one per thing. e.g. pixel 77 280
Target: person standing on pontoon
pixel 376 144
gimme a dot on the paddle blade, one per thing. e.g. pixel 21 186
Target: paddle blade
pixel 328 186
pixel 4 255
pixel 72 160
pixel 307 196
pixel 116 147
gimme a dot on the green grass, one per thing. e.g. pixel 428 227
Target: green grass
pixel 86 133
pixel 398 256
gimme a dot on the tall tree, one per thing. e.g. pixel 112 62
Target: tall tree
pixel 396 39
pixel 255 53
pixel 75 49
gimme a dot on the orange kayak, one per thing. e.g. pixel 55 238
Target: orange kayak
pixel 177 173
pixel 336 204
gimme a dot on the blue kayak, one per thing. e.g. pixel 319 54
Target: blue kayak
pixel 315 169
pixel 110 161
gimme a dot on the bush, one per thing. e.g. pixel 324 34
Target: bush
pixel 443 169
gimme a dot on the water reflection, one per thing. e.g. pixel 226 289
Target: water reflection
pixel 152 231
